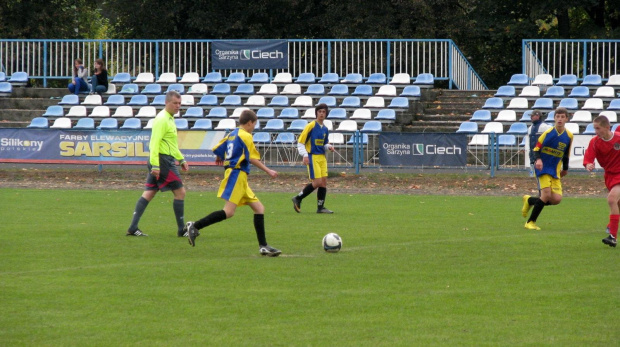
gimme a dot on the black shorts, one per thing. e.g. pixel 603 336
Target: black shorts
pixel 169 175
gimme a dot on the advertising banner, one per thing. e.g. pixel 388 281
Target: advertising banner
pixel 415 149
pixel 98 147
pixel 258 54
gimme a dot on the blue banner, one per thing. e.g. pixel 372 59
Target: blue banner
pixel 415 149
pixel 259 54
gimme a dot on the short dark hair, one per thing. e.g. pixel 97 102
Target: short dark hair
pixel 602 121
pixel 320 106
pixel 247 116
pixel 562 110
pixel 172 94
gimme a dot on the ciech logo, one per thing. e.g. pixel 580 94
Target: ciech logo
pixel 421 149
pixel 248 54
pixel 9 144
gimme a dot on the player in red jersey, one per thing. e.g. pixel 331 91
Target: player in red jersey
pixel 605 147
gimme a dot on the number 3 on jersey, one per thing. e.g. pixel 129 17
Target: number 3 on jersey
pixel 229 150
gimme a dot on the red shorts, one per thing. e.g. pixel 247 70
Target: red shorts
pixel 611 180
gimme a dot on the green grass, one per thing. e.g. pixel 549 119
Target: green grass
pixel 414 270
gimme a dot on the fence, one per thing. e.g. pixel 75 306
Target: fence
pixel 53 59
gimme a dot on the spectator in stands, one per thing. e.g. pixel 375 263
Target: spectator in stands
pixel 604 148
pixel 312 144
pixel 100 79
pixel 538 127
pixel 80 78
pixel 551 163
pixel 236 152
pixel 163 172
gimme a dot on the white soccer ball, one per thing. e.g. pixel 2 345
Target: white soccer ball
pixel 332 243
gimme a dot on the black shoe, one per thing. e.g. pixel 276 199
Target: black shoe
pixel 192 233
pixel 182 233
pixel 296 204
pixel 610 241
pixel 324 210
pixel 269 251
pixel 137 232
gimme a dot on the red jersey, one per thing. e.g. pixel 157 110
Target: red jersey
pixel 608 155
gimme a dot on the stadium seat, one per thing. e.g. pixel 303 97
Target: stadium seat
pixel 550 117
pixel 236 77
pixel 149 124
pixel 310 114
pixel 335 138
pixel 208 100
pixel 353 78
pixel 362 90
pixel 506 116
pixel 494 104
pixel 582 116
pixel 315 89
pixel 85 124
pixel 507 140
pixel 335 114
pixel 198 88
pixel 61 123
pixel 401 78
pixel 375 101
pixel 388 90
pixel 2 77
pixel 506 92
pixel 268 89
pixel 152 89
pixel 265 113
pixel 543 104
pixel 347 126
pixel 306 78
pixel 544 80
pixel 41 123
pixel 592 81
pixel 481 116
pixel 605 93
pixel 361 113
pixel 259 77
pixel 518 104
pixel 115 100
pixel 70 100
pixel 297 125
pixel 614 81
pixel 425 80
pixel 614 128
pixel 519 80
pixel 274 125
pixel 194 112
pixel 129 88
pixel 556 92
pixel 121 78
pixel 144 78
pixel 147 112
pixel 279 101
pixel 54 111
pixel 159 100
pixel 139 100
pixel 572 127
pixel 202 124
pixel 569 103
pixel 255 100
pixel 330 77
pixel 351 101
pixel 530 92
pixel 6 89
pixel 291 89
pixel 614 105
pixel 330 101
pixel 594 104
pixel 181 124
pixel 212 77
pixel 468 128
pixel 479 140
pixel 245 89
pixel 178 87
pixel 567 80
pixel 526 117
pixel 364 139
pixel 303 101
pixel 328 124
pixel 19 78
pixel 285 138
pixel 123 112
pixel 167 77
pixel 108 124
pixel 77 111
pixel 372 126
pixel 589 130
pixel 131 124
pixel 493 127
pixel 399 102
pixel 376 78
pixel 237 112
pixel 221 88
pixel 262 137
pixel 190 78
pixel 517 129
pixel 226 124
pixel 411 92
pixel 283 77
pixel 217 112
pixel 386 115
pixel 100 112
pixel 339 89
pixel 289 113
pixel 579 92
pixel 611 116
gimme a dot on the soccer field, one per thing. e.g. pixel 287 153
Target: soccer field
pixel 413 271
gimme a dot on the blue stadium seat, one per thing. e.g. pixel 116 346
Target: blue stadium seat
pixel 108 124
pixel 337 113
pixel 236 77
pixel 221 88
pixel 615 127
pixel 40 123
pixel 351 101
pixel 377 78
pixel 506 91
pixel 131 124
pixel 507 140
pixel 614 105
pixel 289 113
pixel 2 77
pixel 567 80
pixel 152 89
pixel 519 80
pixel 517 128
pixel 362 90
pixel 245 89
pixel 181 123
pixel 129 88
pixel 213 77
pixel 468 128
pixel 274 125
pixel 364 139
pixel 279 101
pixel 579 92
pixel 194 112
pixel 411 92
pixel 425 80
pixel 330 101
pixel 555 92
pixel 339 89
pixel 569 103
pixel 139 100
pixel 543 104
pixel 115 100
pixel 217 112
pixel 203 124
pixel 54 111
pixel 208 100
pixel 331 77
pixel 550 117
pixel 315 89
pixel 354 78
pixel 265 113
pixel 372 126
pixel 6 88
pixel 285 139
pixel 297 125
pixel 526 117
pixel 481 116
pixel 177 87
pixel 386 115
pixel 85 124
pixel 19 78
pixel 494 103
pixel 589 130
pixel 121 78
pixel 70 100
pixel 262 137
pixel 399 102
pixel 259 77
pixel 592 81
pixel 231 100
pixel 306 78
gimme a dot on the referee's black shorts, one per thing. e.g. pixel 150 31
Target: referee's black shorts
pixel 169 175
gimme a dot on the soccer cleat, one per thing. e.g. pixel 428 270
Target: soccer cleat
pixel 137 232
pixel 182 233
pixel 324 210
pixel 610 241
pixel 531 225
pixel 296 204
pixel 526 206
pixel 192 233
pixel 269 251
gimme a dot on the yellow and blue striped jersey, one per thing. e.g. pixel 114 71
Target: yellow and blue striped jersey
pixel 236 150
pixel 315 137
pixel 553 148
